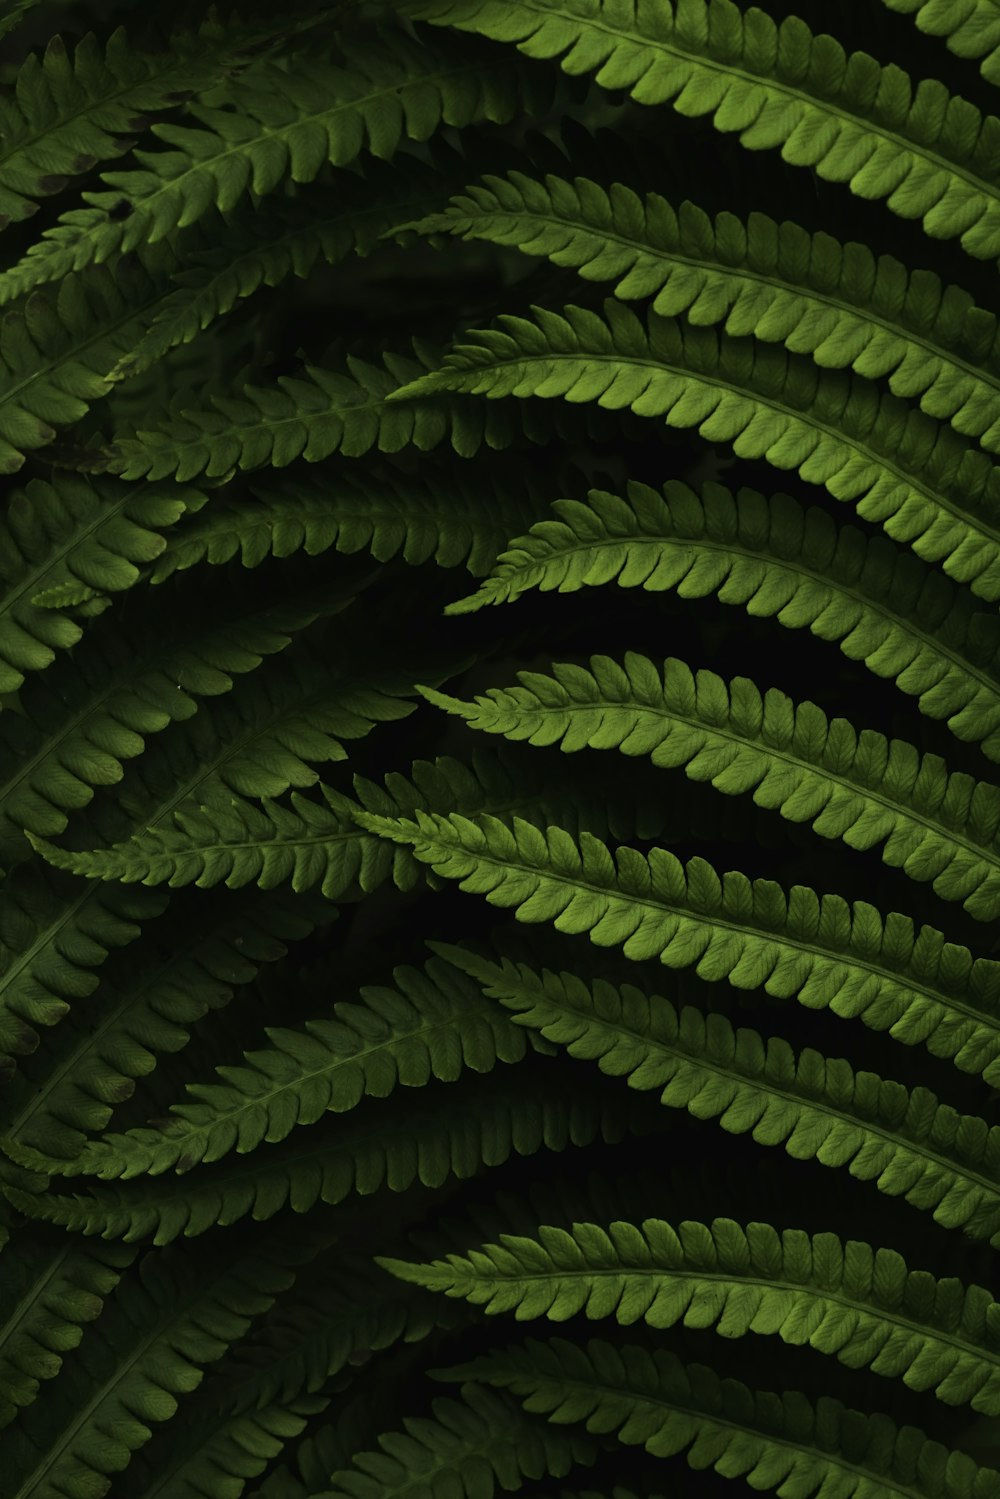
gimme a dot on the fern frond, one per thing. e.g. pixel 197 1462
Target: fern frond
pixel 428 1141
pixel 929 154
pixel 63 540
pixel 57 1289
pixel 283 121
pixel 465 1450
pixel 840 1297
pixel 12 12
pixel 822 951
pixel 819 1108
pixel 438 513
pixel 971 28
pixel 919 480
pixel 150 1347
pixel 431 1023
pixel 53 936
pixel 902 620
pixel 649 1398
pixel 857 786
pixel 759 278
pixel 150 1010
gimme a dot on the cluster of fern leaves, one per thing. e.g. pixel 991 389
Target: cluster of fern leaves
pixel 499 749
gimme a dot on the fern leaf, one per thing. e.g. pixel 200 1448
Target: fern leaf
pixel 819 1108
pixel 430 1024
pixel 438 513
pixel 188 971
pixel 53 936
pixel 393 1147
pixel 218 1457
pixel 465 1450
pixel 12 12
pixel 653 1400
pixel 919 480
pixel 282 122
pixel 860 787
pixel 57 1289
pixel 751 933
pixel 930 155
pixel 971 28
pixel 881 606
pixel 758 278
pixel 840 1297
pixel 72 535
pixel 158 1331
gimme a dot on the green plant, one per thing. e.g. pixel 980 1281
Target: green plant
pixel 391 953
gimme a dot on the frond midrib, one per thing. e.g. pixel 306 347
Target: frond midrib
pixel 43 938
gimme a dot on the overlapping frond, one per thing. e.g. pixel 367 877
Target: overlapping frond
pixel 57 1290
pixel 971 28
pixel 857 786
pixel 928 154
pixel 431 1023
pixel 823 951
pixel 818 1108
pixel 843 1298
pixel 774 281
pixel 428 1140
pixel 918 479
pixel 283 121
pixel 465 1450
pixel 779 560
pixel 651 1399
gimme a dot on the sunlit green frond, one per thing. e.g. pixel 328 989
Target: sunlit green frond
pixel 971 28
pixel 918 479
pixel 818 1108
pixel 839 1297
pixel 427 1139
pixel 779 560
pixel 858 786
pixel 431 1023
pixel 651 1399
pixel 63 540
pixel 823 951
pixel 929 154
pixel 773 281
pixel 57 1290
pixel 54 934
pixel 283 121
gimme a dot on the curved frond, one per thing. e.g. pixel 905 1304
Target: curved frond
pixel 921 482
pixel 426 1140
pixel 971 28
pixel 775 282
pixel 465 1450
pixel 65 539
pixel 819 1108
pixel 881 606
pixel 857 786
pixel 283 121
pixel 650 1399
pixel 56 1290
pixel 928 154
pixel 822 951
pixel 431 1023
pixel 840 1297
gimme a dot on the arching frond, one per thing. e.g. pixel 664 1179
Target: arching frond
pixel 776 282
pixel 283 121
pixel 971 28
pixel 842 1298
pixel 918 479
pixel 819 1108
pixel 881 606
pixel 751 933
pixel 428 1141
pixel 929 154
pixel 650 1399
pixel 861 787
